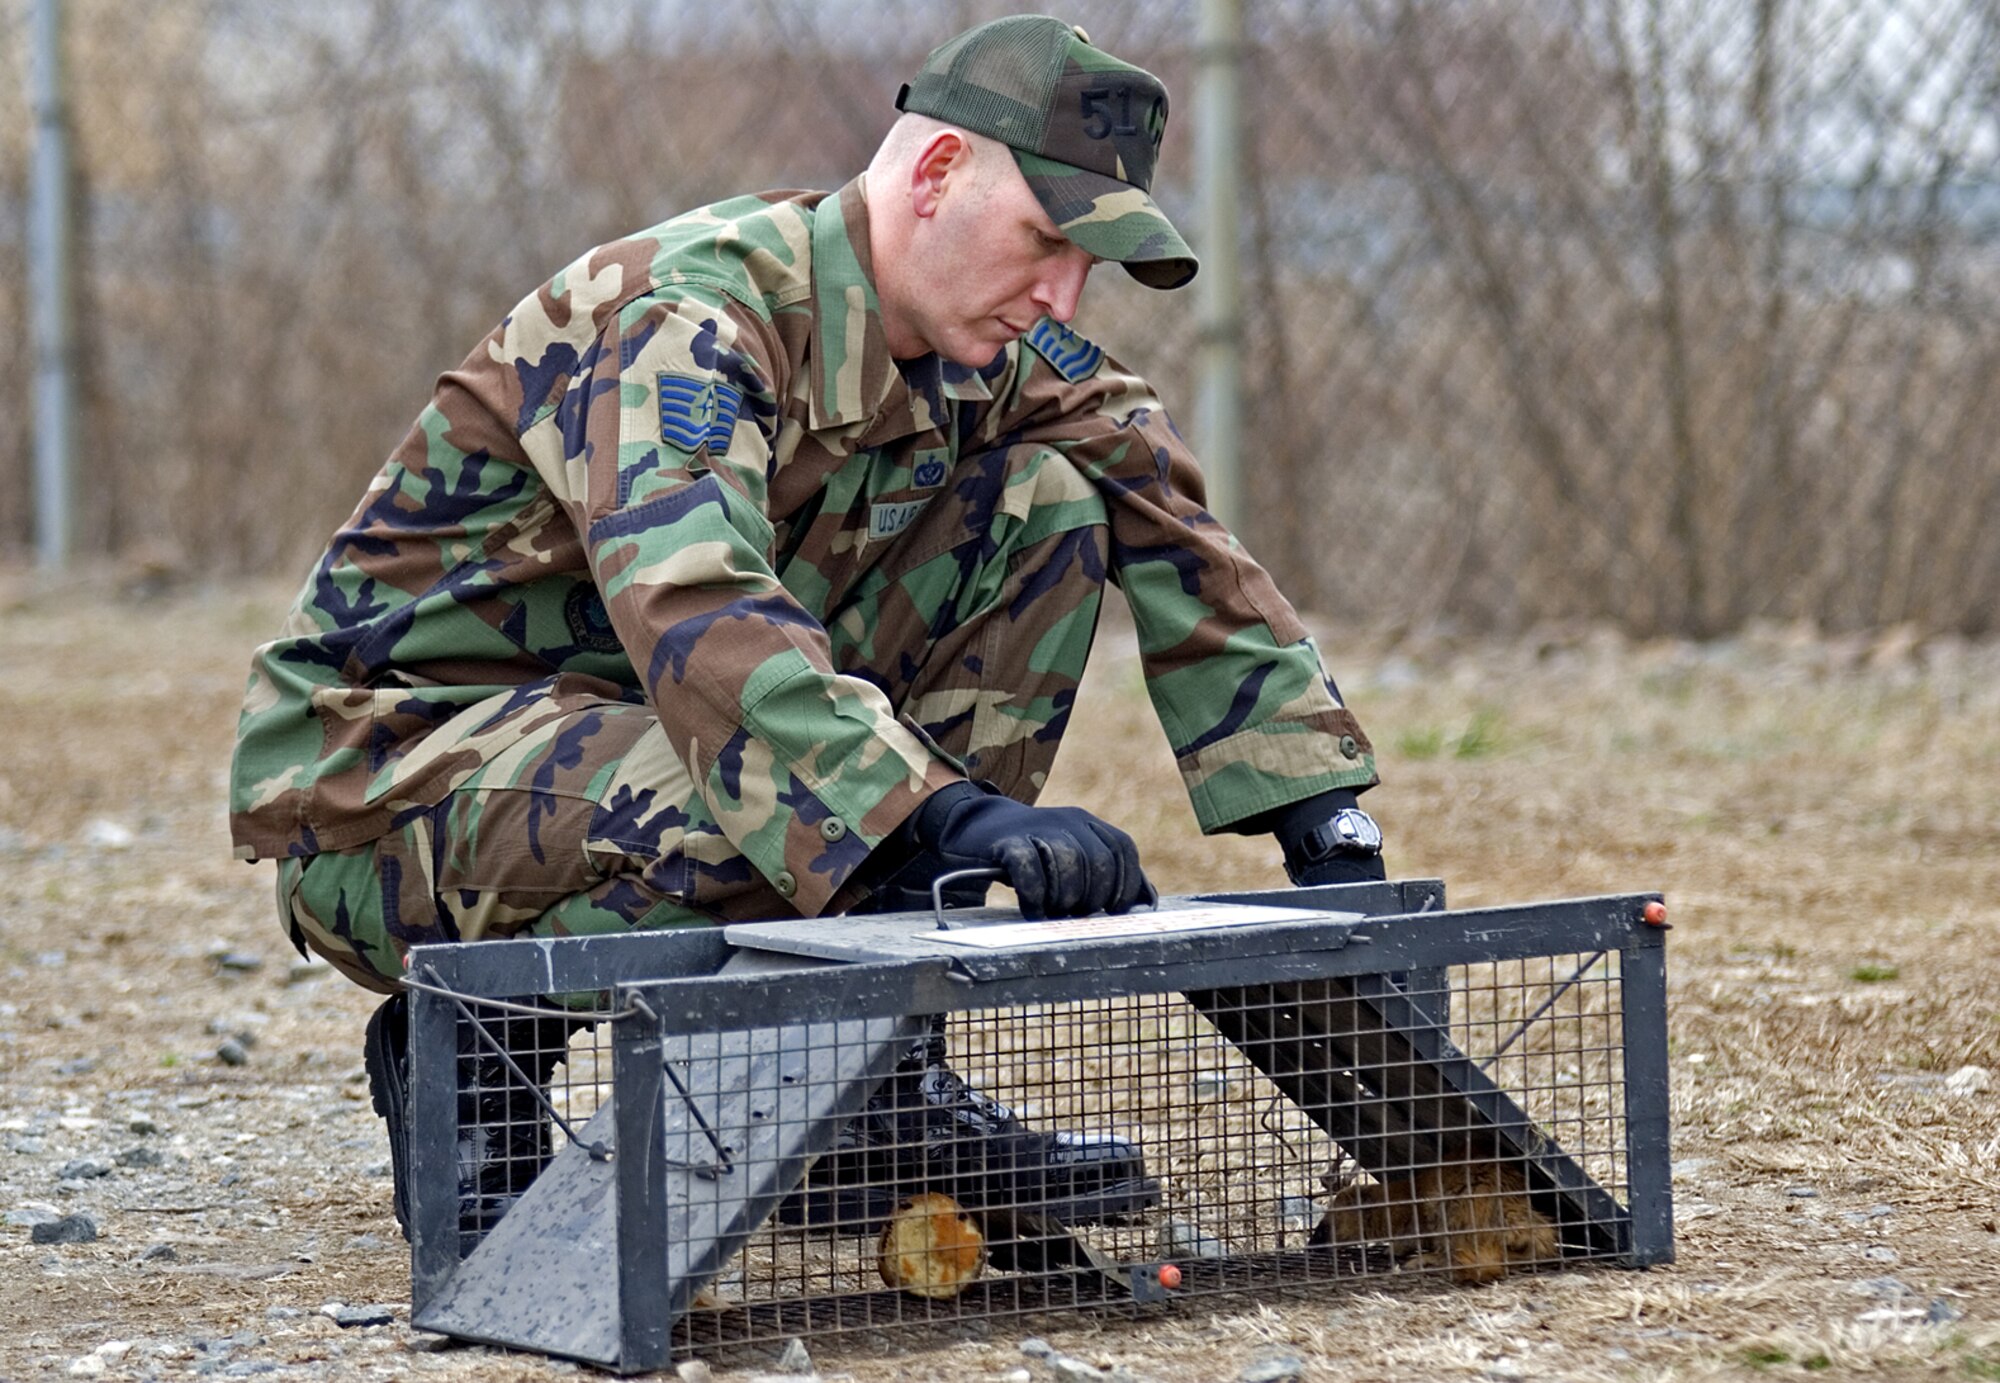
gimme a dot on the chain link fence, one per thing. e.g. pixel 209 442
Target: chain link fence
pixel 1676 313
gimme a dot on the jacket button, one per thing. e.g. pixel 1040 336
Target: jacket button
pixel 833 828
pixel 1349 747
pixel 785 883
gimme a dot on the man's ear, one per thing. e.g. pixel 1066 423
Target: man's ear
pixel 943 157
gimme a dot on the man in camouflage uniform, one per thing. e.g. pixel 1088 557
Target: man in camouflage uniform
pixel 749 567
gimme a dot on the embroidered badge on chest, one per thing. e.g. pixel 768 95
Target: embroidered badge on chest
pixel 930 467
pixel 697 410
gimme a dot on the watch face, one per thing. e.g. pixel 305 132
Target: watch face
pixel 1356 832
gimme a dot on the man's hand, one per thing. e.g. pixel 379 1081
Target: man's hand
pixel 1061 861
pixel 1329 840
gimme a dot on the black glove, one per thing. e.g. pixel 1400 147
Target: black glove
pixel 1322 847
pixel 1061 861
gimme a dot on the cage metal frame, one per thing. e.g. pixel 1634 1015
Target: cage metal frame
pixel 1395 941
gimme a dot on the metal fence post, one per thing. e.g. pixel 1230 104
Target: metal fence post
pixel 1218 159
pixel 51 269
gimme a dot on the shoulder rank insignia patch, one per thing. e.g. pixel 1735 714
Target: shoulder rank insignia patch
pixel 1074 358
pixel 697 409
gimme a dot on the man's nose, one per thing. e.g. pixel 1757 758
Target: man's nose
pixel 1061 289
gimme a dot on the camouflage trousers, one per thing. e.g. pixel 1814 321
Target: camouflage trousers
pixel 976 625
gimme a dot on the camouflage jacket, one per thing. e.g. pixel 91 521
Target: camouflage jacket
pixel 608 488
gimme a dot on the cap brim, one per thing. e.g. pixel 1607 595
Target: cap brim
pixel 1113 220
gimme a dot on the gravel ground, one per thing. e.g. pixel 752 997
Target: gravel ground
pixel 183 1096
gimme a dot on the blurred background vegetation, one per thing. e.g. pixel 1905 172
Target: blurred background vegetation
pixel 1677 314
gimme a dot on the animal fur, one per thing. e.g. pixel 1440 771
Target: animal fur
pixel 1472 1219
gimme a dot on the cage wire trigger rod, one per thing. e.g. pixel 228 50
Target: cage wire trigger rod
pixel 599 1151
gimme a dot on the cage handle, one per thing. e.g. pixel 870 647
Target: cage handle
pixel 937 888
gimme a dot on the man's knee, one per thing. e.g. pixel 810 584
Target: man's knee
pixel 557 833
pixel 331 906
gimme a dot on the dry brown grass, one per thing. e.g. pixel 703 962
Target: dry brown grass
pixel 1822 818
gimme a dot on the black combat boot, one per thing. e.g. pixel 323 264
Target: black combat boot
pixel 926 1129
pixel 504 1138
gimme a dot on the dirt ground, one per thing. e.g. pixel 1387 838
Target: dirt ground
pixel 1821 814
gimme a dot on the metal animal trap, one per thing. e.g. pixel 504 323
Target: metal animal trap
pixel 816 1126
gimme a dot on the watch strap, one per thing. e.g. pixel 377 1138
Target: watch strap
pixel 1349 831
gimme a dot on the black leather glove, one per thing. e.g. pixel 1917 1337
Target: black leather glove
pixel 1321 847
pixel 1061 861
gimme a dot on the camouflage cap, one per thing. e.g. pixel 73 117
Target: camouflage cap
pixel 1084 127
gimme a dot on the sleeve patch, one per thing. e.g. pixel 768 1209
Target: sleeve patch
pixel 1073 357
pixel 696 409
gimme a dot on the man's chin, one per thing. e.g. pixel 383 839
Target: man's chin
pixel 970 355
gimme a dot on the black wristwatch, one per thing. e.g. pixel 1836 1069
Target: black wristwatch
pixel 1349 831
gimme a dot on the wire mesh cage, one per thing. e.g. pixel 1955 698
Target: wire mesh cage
pixel 784 1130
